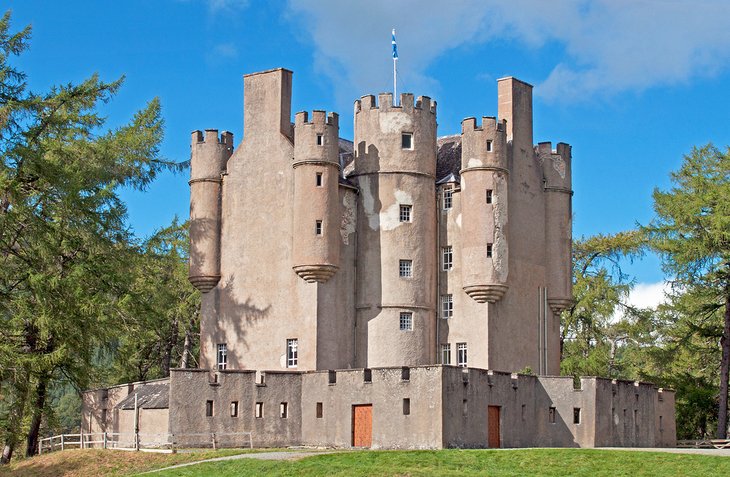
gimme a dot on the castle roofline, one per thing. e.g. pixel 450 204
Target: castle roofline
pixel 515 79
pixel 268 71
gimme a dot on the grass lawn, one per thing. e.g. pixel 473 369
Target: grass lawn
pixel 548 462
pixel 98 462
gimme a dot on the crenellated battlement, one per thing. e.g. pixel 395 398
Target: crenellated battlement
pixel 556 165
pixel 385 103
pixel 562 149
pixel 211 137
pixel 319 118
pixel 489 123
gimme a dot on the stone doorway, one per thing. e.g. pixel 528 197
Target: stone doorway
pixel 493 421
pixel 362 425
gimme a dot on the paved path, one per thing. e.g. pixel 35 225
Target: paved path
pixel 277 455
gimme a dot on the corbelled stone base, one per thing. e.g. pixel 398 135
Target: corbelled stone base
pixel 486 293
pixel 559 304
pixel 204 283
pixel 316 273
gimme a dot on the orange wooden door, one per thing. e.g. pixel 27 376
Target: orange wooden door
pixel 362 425
pixel 493 423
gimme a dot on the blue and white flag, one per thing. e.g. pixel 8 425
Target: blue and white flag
pixel 395 47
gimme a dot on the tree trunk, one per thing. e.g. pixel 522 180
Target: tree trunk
pixel 724 371
pixel 169 347
pixel 14 421
pixel 35 423
pixel 188 344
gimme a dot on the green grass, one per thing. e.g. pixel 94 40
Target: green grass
pixel 547 462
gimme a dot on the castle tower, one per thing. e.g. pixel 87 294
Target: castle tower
pixel 484 189
pixel 558 223
pixel 315 247
pixel 395 167
pixel 209 155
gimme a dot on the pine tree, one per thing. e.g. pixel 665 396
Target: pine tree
pixel 65 250
pixel 692 234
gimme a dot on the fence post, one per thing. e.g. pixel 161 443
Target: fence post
pixel 81 437
pixel 136 440
pixel 40 447
pixel 104 439
pixel 62 441
pixel 172 444
pixel 213 437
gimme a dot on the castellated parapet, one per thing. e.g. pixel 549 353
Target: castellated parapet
pixel 317 212
pixel 484 188
pixel 209 155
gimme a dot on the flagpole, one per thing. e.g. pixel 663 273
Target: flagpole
pixel 395 72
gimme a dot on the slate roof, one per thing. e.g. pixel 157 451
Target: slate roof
pixel 149 396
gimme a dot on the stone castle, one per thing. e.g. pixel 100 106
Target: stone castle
pixel 362 293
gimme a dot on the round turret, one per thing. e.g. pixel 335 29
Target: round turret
pixel 395 167
pixel 558 223
pixel 209 155
pixel 484 174
pixel 316 249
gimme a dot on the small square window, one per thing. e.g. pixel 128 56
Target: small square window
pixel 319 411
pixel 405 373
pixel 576 415
pixel 259 410
pixel 234 409
pixel 447 198
pixel 209 408
pixel 447 306
pixel 284 410
pixel 367 375
pixel 489 250
pixel 406 321
pixel 318 227
pixel 406 406
pixel 319 179
pixel 489 196
pixel 446 353
pixel 222 356
pixel 489 145
pixel 405 213
pixel 461 355
pixel 405 268
pixel 447 258
pixel 551 415
pixel 320 139
pixel 407 140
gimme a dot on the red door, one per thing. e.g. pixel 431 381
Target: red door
pixel 493 425
pixel 362 425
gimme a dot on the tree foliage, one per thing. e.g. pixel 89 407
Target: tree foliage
pixel 66 255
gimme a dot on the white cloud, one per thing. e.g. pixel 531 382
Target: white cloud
pixel 609 45
pixel 225 50
pixel 648 295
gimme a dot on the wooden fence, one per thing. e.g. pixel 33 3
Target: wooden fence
pixel 705 444
pixel 142 441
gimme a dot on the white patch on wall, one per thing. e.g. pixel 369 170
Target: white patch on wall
pixel 368 203
pixel 559 165
pixel 390 217
pixel 394 122
pixel 349 216
pixel 500 255
pixel 474 162
pixel 458 220
pixel 282 361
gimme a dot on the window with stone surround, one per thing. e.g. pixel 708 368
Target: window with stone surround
pixel 406 321
pixel 447 258
pixel 259 410
pixel 489 196
pixel 447 198
pixel 222 356
pixel 405 268
pixel 208 408
pixel 292 353
pixel 446 353
pixel 319 179
pixel 461 355
pixel 447 306
pixel 407 140
pixel 489 250
pixel 405 213
pixel 234 408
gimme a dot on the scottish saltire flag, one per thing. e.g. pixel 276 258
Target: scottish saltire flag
pixel 395 47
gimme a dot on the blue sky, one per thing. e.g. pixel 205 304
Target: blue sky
pixel 631 85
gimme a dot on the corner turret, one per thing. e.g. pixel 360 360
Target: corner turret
pixel 209 156
pixel 316 248
pixel 484 189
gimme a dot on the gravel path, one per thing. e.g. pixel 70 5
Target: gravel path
pixel 673 450
pixel 296 455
